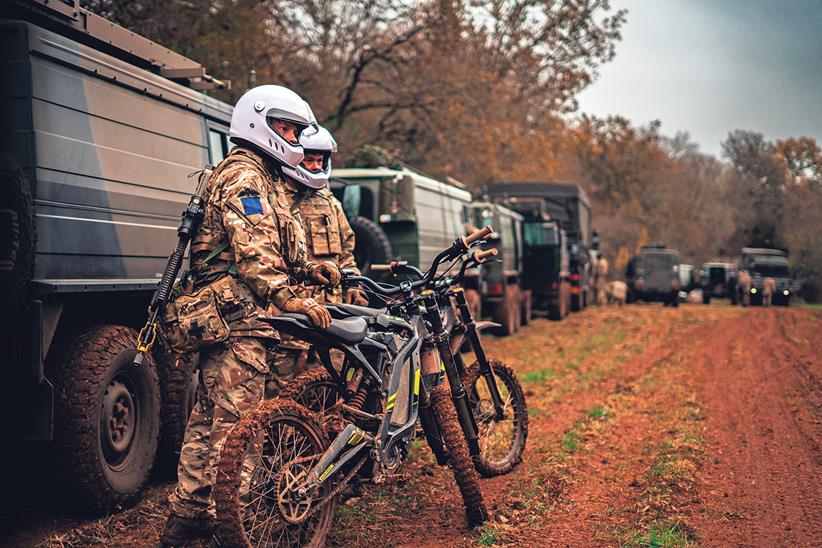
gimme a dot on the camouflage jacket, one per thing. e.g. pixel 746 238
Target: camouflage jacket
pixel 328 235
pixel 249 214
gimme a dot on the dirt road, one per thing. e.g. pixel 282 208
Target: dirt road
pixel 648 426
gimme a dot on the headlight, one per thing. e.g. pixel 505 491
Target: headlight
pixel 753 290
pixel 786 292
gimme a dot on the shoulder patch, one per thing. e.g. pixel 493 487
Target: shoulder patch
pixel 252 205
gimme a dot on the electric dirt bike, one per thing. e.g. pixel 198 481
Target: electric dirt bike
pixel 279 474
pixel 496 396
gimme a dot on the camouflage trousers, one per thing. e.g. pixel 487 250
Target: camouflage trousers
pixel 286 364
pixel 233 380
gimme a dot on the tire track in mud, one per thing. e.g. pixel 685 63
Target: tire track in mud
pixel 762 402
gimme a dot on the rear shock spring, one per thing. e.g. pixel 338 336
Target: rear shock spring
pixel 358 400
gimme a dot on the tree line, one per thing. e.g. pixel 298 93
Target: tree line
pixel 485 90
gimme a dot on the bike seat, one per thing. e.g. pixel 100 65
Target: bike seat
pixel 349 330
pixel 355 310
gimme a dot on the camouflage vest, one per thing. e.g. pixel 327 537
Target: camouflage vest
pixel 322 232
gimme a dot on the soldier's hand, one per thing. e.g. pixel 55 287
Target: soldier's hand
pixel 315 311
pixel 355 296
pixel 325 273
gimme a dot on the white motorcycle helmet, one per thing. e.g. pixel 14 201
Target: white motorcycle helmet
pixel 319 141
pixel 251 122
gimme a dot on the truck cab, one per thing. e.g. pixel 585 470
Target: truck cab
pixel 763 263
pixel 546 264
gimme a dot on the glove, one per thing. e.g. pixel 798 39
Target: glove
pixel 355 296
pixel 316 312
pixel 325 273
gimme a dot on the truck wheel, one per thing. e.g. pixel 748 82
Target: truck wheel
pixel 179 379
pixel 576 303
pixel 17 233
pixel 373 246
pixel 506 312
pixel 106 417
pixel 525 307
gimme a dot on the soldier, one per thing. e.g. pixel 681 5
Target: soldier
pixel 744 287
pixel 768 289
pixel 329 238
pixel 617 292
pixel 601 275
pixel 253 249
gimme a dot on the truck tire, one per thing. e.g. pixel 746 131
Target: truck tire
pixel 179 380
pixel 17 234
pixel 525 307
pixel 506 313
pixel 576 303
pixel 106 414
pixel 373 246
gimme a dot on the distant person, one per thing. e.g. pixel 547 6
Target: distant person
pixel 744 286
pixel 601 279
pixel 768 289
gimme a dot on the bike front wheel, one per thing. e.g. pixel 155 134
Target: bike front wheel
pixel 501 439
pixel 266 451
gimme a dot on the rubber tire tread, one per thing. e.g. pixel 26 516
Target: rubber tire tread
pixel 175 372
pixel 78 377
pixel 377 244
pixel 229 521
pixel 472 375
pixel 458 458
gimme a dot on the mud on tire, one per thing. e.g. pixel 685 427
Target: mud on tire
pixel 106 417
pixel 458 457
pixel 254 426
pixel 501 462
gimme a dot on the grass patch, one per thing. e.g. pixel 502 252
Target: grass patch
pixel 570 441
pixel 539 376
pixel 533 411
pixel 488 536
pixel 599 413
pixel 672 535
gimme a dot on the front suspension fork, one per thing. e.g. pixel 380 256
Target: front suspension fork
pixel 473 336
pixel 458 394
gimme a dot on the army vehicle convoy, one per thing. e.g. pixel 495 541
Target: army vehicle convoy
pixel 653 275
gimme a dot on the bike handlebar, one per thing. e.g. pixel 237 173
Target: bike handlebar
pixel 480 256
pixel 477 235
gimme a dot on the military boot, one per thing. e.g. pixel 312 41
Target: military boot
pixel 182 531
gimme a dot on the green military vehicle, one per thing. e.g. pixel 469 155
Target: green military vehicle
pixel 546 264
pixel 653 275
pixel 498 285
pixel 718 279
pixel 399 213
pixel 569 206
pixel 762 263
pixel 100 132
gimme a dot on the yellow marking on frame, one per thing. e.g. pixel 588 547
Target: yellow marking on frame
pixel 327 471
pixel 417 383
pixel 349 374
pixel 442 366
pixel 356 437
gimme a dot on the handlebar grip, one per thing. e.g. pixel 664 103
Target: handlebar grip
pixel 480 256
pixel 478 235
pixel 381 267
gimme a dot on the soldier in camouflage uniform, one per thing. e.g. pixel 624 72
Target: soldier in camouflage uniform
pixel 768 289
pixel 329 238
pixel 744 287
pixel 252 248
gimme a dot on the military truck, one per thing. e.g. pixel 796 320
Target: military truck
pixel 653 275
pixel 498 285
pixel 100 131
pixel 399 213
pixel 546 264
pixel 762 263
pixel 569 206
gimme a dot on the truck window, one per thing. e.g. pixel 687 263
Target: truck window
pixel 538 233
pixel 217 146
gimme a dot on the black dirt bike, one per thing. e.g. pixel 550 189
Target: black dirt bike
pixel 279 475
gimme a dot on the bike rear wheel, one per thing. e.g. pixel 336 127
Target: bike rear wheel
pixel 268 447
pixel 501 441
pixel 458 457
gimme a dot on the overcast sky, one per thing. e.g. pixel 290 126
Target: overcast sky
pixel 711 66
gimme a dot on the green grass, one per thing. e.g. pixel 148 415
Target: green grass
pixel 599 413
pixel 661 536
pixel 488 536
pixel 570 442
pixel 539 376
pixel 817 306
pixel 533 411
